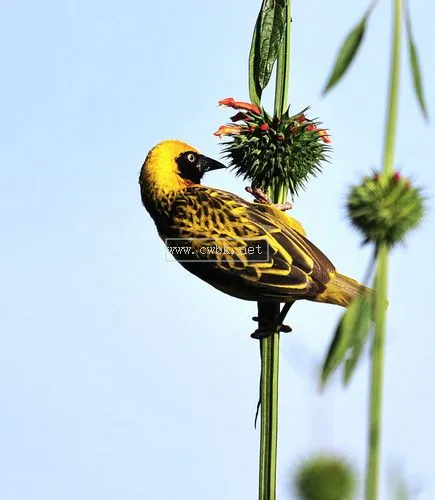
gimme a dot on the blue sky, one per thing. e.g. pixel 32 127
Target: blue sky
pixel 121 375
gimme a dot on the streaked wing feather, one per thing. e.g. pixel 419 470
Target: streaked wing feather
pixel 295 267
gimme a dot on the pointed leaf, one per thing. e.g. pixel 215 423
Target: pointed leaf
pixel 415 66
pixel 360 328
pixel 266 41
pixel 254 89
pixel 350 337
pixel 271 35
pixel 337 350
pixel 347 53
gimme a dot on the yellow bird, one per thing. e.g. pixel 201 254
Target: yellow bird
pixel 252 251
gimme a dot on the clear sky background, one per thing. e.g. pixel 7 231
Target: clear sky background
pixel 121 375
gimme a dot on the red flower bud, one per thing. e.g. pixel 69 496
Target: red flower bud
pixel 247 106
pixel 311 127
pixel 280 137
pixel 396 177
pixel 264 127
pixel 301 118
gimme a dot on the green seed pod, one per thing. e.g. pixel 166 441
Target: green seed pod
pixel 273 151
pixel 325 478
pixel 384 209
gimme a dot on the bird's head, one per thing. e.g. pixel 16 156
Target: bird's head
pixel 173 165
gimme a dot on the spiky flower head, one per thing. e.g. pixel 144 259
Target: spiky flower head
pixel 385 207
pixel 273 151
pixel 325 478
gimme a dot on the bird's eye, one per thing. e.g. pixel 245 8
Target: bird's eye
pixel 191 157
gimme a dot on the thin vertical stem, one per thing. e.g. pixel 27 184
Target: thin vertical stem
pixel 377 365
pixel 377 372
pixel 393 99
pixel 269 416
pixel 270 345
pixel 283 70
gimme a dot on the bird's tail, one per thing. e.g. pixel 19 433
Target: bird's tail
pixel 342 290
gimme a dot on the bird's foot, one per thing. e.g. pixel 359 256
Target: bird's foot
pixel 269 329
pixel 261 197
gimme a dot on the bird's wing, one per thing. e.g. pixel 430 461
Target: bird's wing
pixel 281 262
pixel 285 219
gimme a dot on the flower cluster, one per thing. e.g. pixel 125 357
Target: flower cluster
pixel 385 207
pixel 271 151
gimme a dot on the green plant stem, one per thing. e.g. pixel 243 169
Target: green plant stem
pixel 377 365
pixel 393 94
pixel 377 370
pixel 270 345
pixel 283 69
pixel 269 413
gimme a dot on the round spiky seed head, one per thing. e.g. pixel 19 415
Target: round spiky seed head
pixel 274 151
pixel 325 478
pixel 385 208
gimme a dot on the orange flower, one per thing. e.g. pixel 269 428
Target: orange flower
pixel 324 136
pixel 228 130
pixel 247 106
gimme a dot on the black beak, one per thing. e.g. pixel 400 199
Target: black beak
pixel 207 164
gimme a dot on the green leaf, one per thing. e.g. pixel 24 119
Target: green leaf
pixel 347 53
pixel 360 328
pixel 415 66
pixel 336 351
pixel 266 41
pixel 349 339
pixel 254 90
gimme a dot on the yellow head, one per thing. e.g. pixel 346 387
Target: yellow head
pixel 170 167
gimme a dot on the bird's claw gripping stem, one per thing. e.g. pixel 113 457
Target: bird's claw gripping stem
pixel 261 197
pixel 268 330
pixel 273 326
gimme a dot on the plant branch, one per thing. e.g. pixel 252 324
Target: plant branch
pixel 269 346
pixel 393 94
pixel 377 365
pixel 283 70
